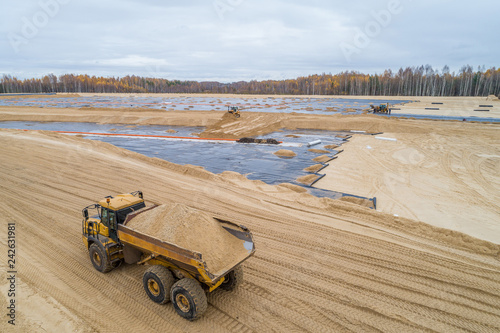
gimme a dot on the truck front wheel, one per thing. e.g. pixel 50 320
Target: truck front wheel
pixel 158 281
pixel 99 258
pixel 188 298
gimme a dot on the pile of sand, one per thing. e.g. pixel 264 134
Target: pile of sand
pixel 307 179
pixel 295 188
pixel 319 151
pixel 331 146
pixel 285 153
pixel 492 98
pixel 292 136
pixel 322 159
pixel 194 230
pixel 358 201
pixel 170 131
pixel 314 168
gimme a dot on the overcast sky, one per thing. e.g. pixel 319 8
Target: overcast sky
pixel 232 40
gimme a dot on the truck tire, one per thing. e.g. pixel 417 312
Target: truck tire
pixel 189 299
pixel 99 258
pixel 233 279
pixel 157 281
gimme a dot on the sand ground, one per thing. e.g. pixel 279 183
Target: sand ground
pixel 452 107
pixel 445 179
pixel 321 265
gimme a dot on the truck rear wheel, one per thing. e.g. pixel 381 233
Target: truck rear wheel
pixel 158 281
pixel 233 279
pixel 99 258
pixel 188 298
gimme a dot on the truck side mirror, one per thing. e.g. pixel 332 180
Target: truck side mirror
pixel 85 214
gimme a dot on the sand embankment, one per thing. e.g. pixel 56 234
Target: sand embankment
pixel 134 116
pixel 307 179
pixel 319 151
pixel 314 168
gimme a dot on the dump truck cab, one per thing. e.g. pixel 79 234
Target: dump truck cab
pixel 110 212
pixel 114 210
pixel 100 229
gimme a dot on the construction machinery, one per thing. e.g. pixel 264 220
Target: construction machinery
pixel 234 110
pixel 382 108
pixel 174 274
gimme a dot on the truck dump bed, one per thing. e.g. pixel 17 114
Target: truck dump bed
pixel 137 245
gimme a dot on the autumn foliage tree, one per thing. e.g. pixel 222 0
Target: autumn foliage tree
pixel 410 81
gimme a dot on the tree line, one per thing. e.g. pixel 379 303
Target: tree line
pixel 411 81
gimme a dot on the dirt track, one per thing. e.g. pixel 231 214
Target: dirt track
pixel 320 265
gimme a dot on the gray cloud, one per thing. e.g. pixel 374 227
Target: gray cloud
pixel 230 40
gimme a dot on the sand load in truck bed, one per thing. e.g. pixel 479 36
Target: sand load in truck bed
pixel 194 230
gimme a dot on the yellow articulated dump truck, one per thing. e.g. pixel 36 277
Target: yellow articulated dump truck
pixel 188 253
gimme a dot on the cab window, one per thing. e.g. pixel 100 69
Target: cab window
pixel 108 217
pixel 104 216
pixel 112 222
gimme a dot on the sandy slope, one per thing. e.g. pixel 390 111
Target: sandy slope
pixel 136 116
pixel 320 265
pixel 447 179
